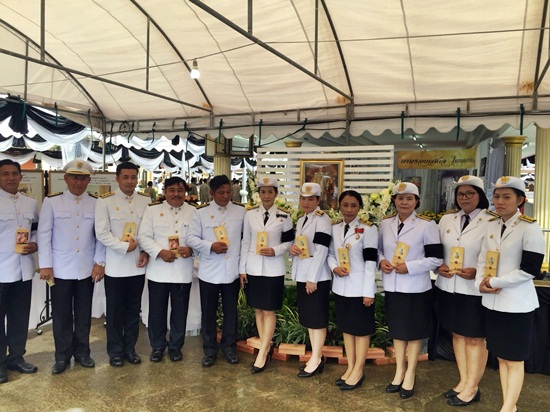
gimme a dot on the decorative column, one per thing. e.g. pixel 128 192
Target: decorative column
pixel 512 161
pixel 542 186
pixel 222 166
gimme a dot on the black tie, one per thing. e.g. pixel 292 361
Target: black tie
pixel 502 229
pixel 466 222
pixel 266 217
pixel 305 221
pixel 400 227
pixel 346 228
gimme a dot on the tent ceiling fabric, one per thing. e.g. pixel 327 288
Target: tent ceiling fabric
pixel 425 59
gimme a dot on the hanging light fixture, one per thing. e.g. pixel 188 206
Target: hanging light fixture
pixel 195 73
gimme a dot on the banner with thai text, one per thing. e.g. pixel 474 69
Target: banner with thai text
pixel 437 159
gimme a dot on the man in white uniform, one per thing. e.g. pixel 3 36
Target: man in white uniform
pixel 18 214
pixel 219 267
pixel 71 258
pixel 125 262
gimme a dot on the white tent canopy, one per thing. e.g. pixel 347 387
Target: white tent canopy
pixel 279 66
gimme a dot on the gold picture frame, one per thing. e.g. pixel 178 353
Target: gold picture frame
pixel 329 174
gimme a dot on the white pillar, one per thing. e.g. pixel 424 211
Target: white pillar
pixel 222 166
pixel 512 162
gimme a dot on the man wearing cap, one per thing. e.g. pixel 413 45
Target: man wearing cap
pixel 216 234
pixel 312 274
pixel 117 218
pixel 162 234
pixel 71 259
pixel 18 215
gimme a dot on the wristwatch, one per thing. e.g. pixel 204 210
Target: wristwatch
pixel 102 264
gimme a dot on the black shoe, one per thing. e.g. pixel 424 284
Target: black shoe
pixel 347 387
pixel 23 367
pixel 208 361
pixel 456 401
pixel 231 358
pixel 406 393
pixel 156 355
pixel 340 382
pixel 116 361
pixel 319 369
pixel 85 361
pixel 391 388
pixel 175 355
pixel 451 393
pixel 59 367
pixel 3 374
pixel 133 358
pixel 256 369
pixel 302 367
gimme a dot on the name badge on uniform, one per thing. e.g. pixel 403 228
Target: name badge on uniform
pixel 491 263
pixel 301 242
pixel 400 253
pixel 128 232
pixel 221 234
pixel 261 241
pixel 457 259
pixel 343 258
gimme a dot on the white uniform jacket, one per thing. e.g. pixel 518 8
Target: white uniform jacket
pixel 159 222
pixel 521 252
pixel 112 211
pixel 361 241
pixel 318 231
pixel 16 212
pixel 216 268
pixel 425 252
pixel 470 239
pixel 280 234
pixel 66 236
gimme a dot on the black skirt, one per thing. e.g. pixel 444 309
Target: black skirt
pixel 265 293
pixel 409 315
pixel 313 308
pixel 461 314
pixel 509 335
pixel 353 317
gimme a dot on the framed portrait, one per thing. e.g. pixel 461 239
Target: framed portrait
pixel 329 174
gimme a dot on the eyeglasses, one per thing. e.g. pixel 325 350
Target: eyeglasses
pixel 465 195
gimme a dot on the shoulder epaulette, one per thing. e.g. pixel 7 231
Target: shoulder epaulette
pixel 27 195
pixel 55 194
pixel 253 207
pixel 203 205
pixel 319 212
pixel 527 219
pixel 155 203
pixel 365 221
pixel 495 218
pixel 427 218
pixel 93 195
pixel 108 194
pixel 143 194
pixel 337 221
pixel 238 203
pixel 282 210
pixel 490 212
pixel 390 215
pixel 448 212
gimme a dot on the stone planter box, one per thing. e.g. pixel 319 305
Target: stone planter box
pixel 292 349
pixel 242 346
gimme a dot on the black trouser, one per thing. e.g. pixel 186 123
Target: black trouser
pixel 159 293
pixel 123 297
pixel 72 317
pixel 15 305
pixel 210 293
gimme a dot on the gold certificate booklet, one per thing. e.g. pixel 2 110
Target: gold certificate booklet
pixel 174 244
pixel 343 258
pixel 128 232
pixel 221 234
pixel 457 259
pixel 301 242
pixel 400 253
pixel 491 263
pixel 261 241
pixel 21 240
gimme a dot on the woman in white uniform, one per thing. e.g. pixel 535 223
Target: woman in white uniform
pixel 267 234
pixel 352 258
pixel 408 249
pixel 511 256
pixel 312 275
pixel 458 301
